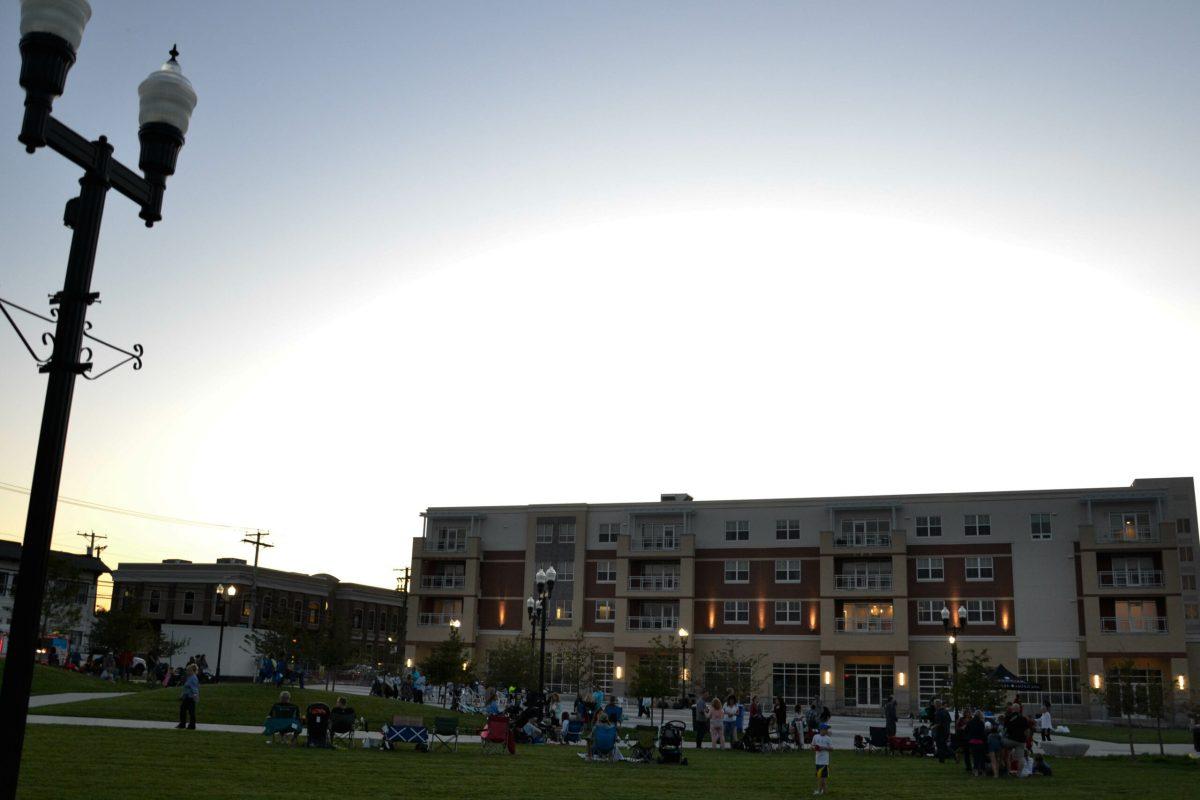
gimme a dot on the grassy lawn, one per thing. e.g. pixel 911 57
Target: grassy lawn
pixel 1110 733
pixel 114 763
pixel 55 680
pixel 242 704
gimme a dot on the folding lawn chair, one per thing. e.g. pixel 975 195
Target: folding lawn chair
pixel 445 733
pixel 878 739
pixel 643 744
pixel 572 732
pixel 342 725
pixel 604 743
pixel 496 736
pixel 283 719
pixel 316 720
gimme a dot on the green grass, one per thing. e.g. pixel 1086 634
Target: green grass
pixel 102 763
pixel 1120 734
pixel 55 680
pixel 243 704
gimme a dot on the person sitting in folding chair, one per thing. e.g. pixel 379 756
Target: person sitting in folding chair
pixel 445 733
pixel 284 719
pixel 343 722
pixel 602 746
pixel 497 735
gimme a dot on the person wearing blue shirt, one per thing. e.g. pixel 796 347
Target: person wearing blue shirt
pixel 188 699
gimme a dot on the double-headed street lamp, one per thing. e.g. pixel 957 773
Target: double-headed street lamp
pixel 224 595
pixel 952 633
pixel 51 32
pixel 539 609
pixel 683 640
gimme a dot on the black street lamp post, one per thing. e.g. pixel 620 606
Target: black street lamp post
pixel 952 632
pixel 51 31
pixel 683 640
pixel 224 594
pixel 534 609
pixel 544 580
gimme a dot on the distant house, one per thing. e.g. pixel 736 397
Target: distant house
pixel 89 568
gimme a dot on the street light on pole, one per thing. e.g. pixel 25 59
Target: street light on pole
pixel 51 33
pixel 683 640
pixel 952 634
pixel 544 581
pixel 223 592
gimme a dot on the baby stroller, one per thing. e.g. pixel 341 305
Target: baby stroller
pixel 642 751
pixel 670 743
pixel 758 736
pixel 926 746
pixel 316 719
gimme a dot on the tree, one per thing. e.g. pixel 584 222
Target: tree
pixel 330 645
pixel 657 672
pixel 1160 704
pixel 444 662
pixel 729 668
pixel 121 629
pixel 578 659
pixel 1123 696
pixel 61 608
pixel 974 687
pixel 511 663
pixel 278 638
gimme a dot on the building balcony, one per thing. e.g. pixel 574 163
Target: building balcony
pixel 862 541
pixel 428 619
pixel 860 582
pixel 443 581
pixel 864 625
pixel 1149 625
pixel 653 583
pixel 644 544
pixel 1128 535
pixel 1127 579
pixel 651 623
pixel 445 545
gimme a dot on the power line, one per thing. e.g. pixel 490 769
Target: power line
pixel 130 512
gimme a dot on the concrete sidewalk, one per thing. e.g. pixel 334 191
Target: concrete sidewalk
pixel 70 697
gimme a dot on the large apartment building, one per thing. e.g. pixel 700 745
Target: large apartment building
pixel 843 595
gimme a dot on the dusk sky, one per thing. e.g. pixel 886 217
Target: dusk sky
pixel 453 253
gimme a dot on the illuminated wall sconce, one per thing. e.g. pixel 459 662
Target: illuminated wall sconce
pixel 1181 682
pixel 1004 621
pixel 828 678
pixel 901 679
pixel 1095 680
pixel 618 672
pixel 465 665
pixel 408 663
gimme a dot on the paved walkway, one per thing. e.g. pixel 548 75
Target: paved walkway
pixel 70 697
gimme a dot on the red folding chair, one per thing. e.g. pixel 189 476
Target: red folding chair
pixel 497 736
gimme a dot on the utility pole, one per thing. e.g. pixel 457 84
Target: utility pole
pixel 91 537
pixel 402 581
pixel 258 544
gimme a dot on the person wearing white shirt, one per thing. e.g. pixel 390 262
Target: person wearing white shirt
pixel 822 745
pixel 1044 723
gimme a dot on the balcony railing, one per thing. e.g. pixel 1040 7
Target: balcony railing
pixel 862 540
pixel 1133 624
pixel 1130 535
pixel 867 625
pixel 454 545
pixel 654 583
pixel 641 623
pixel 443 581
pixel 654 542
pixel 861 582
pixel 1123 579
pixel 437 617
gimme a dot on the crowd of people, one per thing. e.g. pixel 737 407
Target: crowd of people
pixel 992 745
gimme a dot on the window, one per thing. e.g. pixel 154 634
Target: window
pixel 562 610
pixel 737 571
pixel 395 620
pixel 932 568
pixel 1185 553
pixel 356 620
pixel 545 533
pixel 932 680
pixel 266 609
pixel 979 568
pixel 787 570
pixel 602 671
pixel 297 612
pixel 787 529
pixel 737 611
pixel 189 602
pixel 606 610
pixel 4 583
pixel 246 608
pixel 788 612
pixel 981 611
pixel 795 683
pixel 1191 612
pixel 371 620
pixel 1187 583
pixel 929 612
pixel 977 524
pixel 929 526
pixel 1183 525
pixel 1133 525
pixel 314 612
pixel 606 572
pixel 566 532
pixel 155 601
pixel 563 570
pixel 737 530
pixel 1039 527
pixel 609 531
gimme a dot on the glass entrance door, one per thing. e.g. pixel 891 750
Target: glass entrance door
pixel 870 691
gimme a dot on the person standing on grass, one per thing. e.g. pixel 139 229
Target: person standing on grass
pixel 700 718
pixel 729 718
pixel 188 699
pixel 1045 724
pixel 822 745
pixel 716 723
pixel 890 715
pixel 779 712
